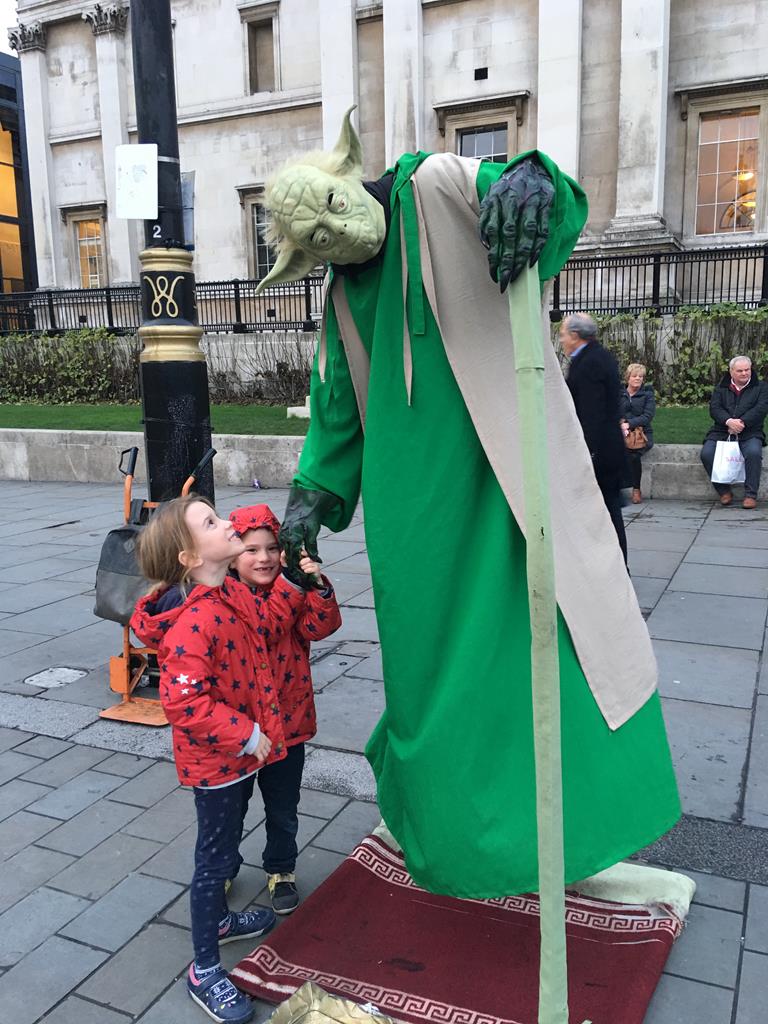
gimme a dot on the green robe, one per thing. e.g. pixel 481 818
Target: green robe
pixel 453 751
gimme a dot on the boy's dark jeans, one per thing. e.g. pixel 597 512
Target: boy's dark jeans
pixel 752 450
pixel 280 785
pixel 220 816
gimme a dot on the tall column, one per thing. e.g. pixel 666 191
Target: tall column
pixel 338 64
pixel 108 24
pixel 558 128
pixel 403 78
pixel 639 220
pixel 29 43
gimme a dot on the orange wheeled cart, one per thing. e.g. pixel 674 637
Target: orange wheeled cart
pixel 118 587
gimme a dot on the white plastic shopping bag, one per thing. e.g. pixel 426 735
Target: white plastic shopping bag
pixel 728 467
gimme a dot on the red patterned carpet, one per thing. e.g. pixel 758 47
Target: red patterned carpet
pixel 369 933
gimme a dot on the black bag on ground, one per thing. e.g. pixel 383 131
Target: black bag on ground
pixel 119 584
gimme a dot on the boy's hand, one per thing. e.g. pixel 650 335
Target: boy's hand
pixel 263 747
pixel 309 567
pixel 307 575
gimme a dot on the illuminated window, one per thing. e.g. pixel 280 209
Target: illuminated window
pixel 486 142
pixel 727 172
pixel 89 245
pixel 11 266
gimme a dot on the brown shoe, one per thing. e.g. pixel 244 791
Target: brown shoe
pixel 726 499
pixel 749 502
pixel 636 496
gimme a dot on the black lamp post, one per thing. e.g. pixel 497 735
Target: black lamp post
pixel 174 375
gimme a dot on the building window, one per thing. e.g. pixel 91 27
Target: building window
pixel 261 56
pixel 11 264
pixel 487 142
pixel 88 248
pixel 727 172
pixel 261 41
pixel 486 127
pixel 263 258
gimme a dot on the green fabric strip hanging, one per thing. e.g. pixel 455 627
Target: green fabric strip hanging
pixel 525 320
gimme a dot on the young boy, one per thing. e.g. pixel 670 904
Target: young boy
pixel 287 632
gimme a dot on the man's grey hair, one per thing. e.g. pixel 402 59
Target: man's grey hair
pixel 583 325
pixel 739 359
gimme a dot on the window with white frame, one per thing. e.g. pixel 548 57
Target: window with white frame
pixel 487 142
pixel 261 258
pixel 726 153
pixel 87 245
pixel 485 128
pixel 727 171
pixel 260 25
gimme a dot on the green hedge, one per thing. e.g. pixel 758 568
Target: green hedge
pixel 88 365
pixel 686 354
pixel 91 365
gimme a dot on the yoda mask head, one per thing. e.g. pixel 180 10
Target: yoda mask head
pixel 320 211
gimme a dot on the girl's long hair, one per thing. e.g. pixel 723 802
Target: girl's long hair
pixel 163 539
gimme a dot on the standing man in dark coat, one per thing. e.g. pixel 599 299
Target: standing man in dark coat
pixel 593 380
pixel 738 406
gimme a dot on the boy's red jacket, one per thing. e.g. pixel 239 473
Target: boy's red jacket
pixel 288 644
pixel 215 678
pixel 288 650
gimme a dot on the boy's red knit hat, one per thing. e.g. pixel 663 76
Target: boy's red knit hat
pixel 254 517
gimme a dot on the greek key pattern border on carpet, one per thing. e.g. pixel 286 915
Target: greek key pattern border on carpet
pixel 392 1001
pixel 386 864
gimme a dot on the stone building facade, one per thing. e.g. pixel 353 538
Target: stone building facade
pixel 659 107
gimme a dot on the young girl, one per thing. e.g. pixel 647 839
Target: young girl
pixel 218 694
pixel 288 633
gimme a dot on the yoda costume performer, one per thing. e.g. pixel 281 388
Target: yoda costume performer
pixel 413 405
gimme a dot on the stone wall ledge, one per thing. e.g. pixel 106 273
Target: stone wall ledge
pixel 91 456
pixel 674 471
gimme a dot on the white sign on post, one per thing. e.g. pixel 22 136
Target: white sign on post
pixel 136 170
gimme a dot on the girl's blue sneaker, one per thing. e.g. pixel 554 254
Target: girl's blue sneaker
pixel 216 994
pixel 248 924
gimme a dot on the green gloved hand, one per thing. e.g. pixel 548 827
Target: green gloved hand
pixel 298 533
pixel 514 219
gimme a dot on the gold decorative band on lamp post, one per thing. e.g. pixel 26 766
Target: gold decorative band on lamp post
pixel 169 310
pixel 174 375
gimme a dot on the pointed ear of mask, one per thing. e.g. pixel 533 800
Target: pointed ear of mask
pixel 348 151
pixel 291 265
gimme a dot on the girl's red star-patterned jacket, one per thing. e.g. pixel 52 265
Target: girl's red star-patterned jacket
pixel 215 678
pixel 288 646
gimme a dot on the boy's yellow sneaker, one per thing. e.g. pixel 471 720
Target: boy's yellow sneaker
pixel 283 892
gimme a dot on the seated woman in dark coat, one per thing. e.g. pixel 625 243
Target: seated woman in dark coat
pixel 638 407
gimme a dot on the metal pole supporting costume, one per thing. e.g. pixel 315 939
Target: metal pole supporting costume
pixel 174 376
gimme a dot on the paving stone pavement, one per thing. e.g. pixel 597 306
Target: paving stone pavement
pixel 96 836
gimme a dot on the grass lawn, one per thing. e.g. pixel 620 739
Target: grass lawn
pixel 678 424
pixel 226 419
pixel 671 425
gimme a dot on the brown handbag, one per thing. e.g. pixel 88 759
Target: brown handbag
pixel 636 439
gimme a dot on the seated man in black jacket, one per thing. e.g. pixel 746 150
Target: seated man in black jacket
pixel 739 405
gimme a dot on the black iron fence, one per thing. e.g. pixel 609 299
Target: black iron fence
pixel 662 282
pixel 221 305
